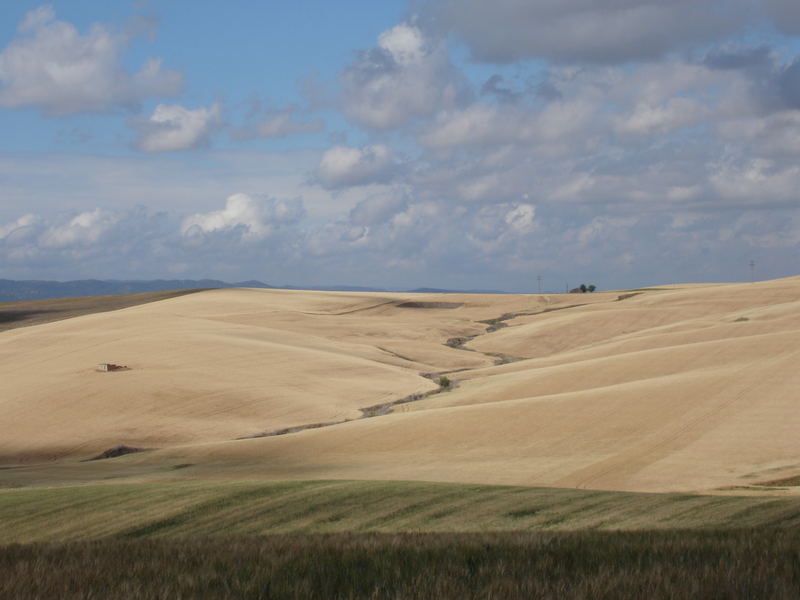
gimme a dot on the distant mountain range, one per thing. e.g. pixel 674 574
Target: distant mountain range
pixel 18 291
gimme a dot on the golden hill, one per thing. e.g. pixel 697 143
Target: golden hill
pixel 678 388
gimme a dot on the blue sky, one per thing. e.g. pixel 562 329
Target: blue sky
pixel 447 143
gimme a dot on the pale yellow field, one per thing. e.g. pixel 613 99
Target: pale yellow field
pixel 687 388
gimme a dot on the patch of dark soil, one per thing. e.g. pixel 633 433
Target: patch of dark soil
pixel 421 304
pixel 458 342
pixel 555 308
pixel 494 324
pixel 294 429
pixel 116 451
pixel 445 385
pixel 786 481
pixel 504 359
pixel 11 316
pixel 385 408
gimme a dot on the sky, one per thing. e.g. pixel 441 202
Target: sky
pixel 457 144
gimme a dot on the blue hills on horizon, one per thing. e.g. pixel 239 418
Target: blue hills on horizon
pixel 20 291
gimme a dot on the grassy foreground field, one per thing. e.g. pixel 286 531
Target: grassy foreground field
pixel 739 564
pixel 360 539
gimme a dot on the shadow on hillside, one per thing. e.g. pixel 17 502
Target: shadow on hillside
pixel 12 316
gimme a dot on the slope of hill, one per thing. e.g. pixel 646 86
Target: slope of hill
pixel 36 312
pixel 21 291
pixel 680 388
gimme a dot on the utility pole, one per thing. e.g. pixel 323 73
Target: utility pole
pixel 539 281
pixel 752 271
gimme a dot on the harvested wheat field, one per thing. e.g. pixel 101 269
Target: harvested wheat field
pixel 679 388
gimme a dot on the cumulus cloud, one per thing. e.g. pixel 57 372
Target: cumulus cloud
pixel 774 134
pixel 52 66
pixel 343 166
pixel 247 218
pixel 768 82
pixel 82 230
pixel 378 208
pixel 406 75
pixel 671 115
pixel 587 31
pixel 481 124
pixel 10 232
pixel 492 227
pixel 757 181
pixel 174 127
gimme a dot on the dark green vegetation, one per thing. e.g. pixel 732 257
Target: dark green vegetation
pixel 370 539
pixel 36 312
pixel 209 508
pixel 667 564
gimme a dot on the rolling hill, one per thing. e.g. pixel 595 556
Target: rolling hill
pixel 678 388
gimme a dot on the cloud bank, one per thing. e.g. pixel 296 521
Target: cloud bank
pixel 475 144
pixel 53 67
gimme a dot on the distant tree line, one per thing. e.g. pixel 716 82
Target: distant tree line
pixel 583 288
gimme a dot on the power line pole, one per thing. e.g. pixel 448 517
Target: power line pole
pixel 539 281
pixel 752 271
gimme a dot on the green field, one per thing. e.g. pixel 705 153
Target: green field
pixel 586 565
pixel 136 510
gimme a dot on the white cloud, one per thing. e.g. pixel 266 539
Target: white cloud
pixel 404 77
pixel 10 230
pixel 37 18
pixel 405 43
pixel 343 166
pixel 774 134
pixel 173 127
pixel 482 124
pixel 55 68
pixel 416 214
pixel 603 228
pixel 521 218
pixel 674 114
pixel 492 228
pixel 249 219
pixel 757 181
pixel 83 230
pixel 378 208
